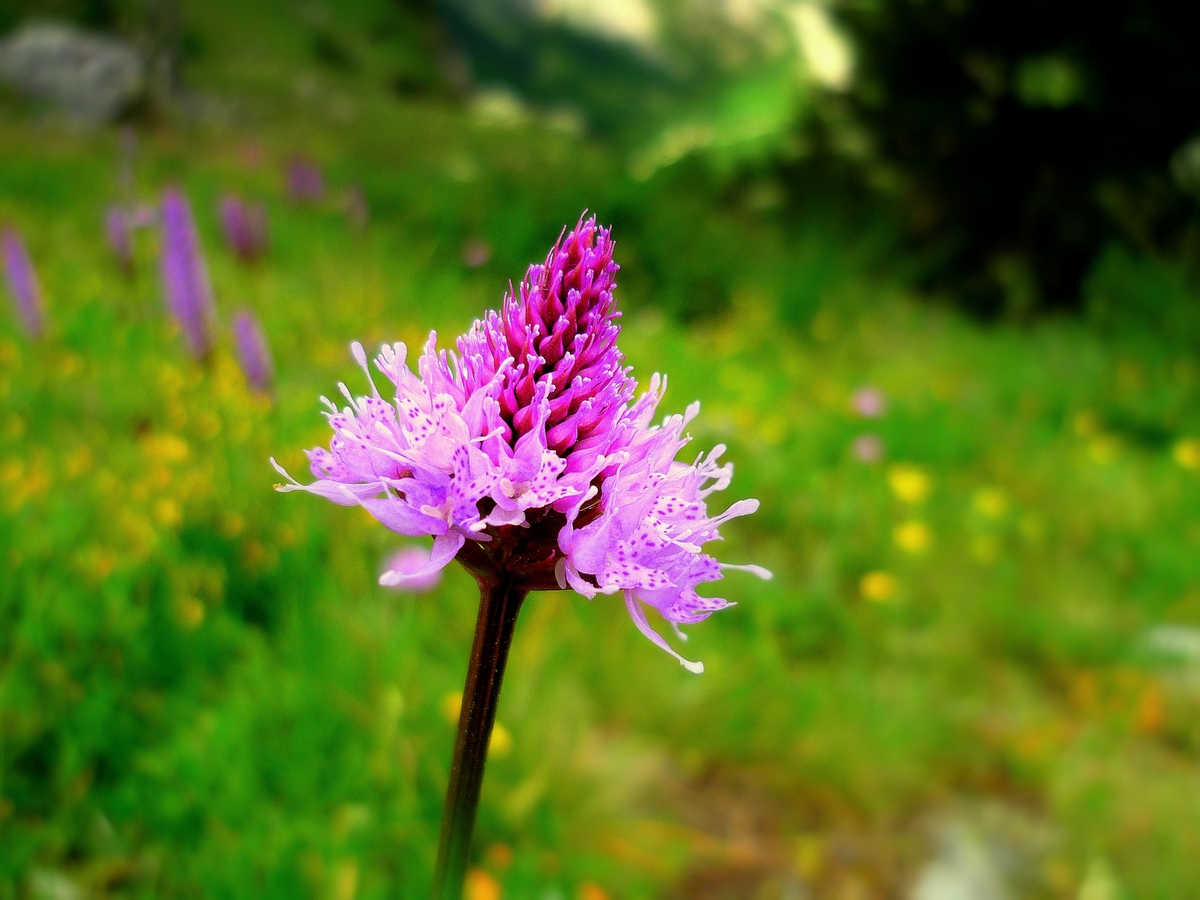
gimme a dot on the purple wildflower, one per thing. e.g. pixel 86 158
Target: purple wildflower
pixel 525 455
pixel 411 560
pixel 22 282
pixel 118 228
pixel 184 274
pixel 304 181
pixel 252 351
pixel 867 448
pixel 245 227
pixel 869 402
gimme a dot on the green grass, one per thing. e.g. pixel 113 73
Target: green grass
pixel 203 692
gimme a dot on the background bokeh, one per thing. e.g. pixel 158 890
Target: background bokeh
pixel 929 267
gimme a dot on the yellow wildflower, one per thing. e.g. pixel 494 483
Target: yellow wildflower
pixel 913 536
pixel 877 586
pixel 1187 453
pixel 991 502
pixel 909 483
pixel 481 886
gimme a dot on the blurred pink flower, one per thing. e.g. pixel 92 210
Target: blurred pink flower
pixel 868 448
pixel 869 402
pixel 304 181
pixel 476 252
pixel 413 561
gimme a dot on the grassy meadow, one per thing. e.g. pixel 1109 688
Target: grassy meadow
pixel 981 614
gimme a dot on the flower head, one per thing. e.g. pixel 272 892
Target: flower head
pixel 245 227
pixel 184 274
pixel 252 351
pixel 304 181
pixel 22 282
pixel 525 455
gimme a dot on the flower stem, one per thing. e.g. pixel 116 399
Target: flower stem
pixel 499 602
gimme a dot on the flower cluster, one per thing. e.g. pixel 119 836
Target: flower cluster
pixel 525 455
pixel 245 227
pixel 186 286
pixel 252 351
pixel 304 181
pixel 23 282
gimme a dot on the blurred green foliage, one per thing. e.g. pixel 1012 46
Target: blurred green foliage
pixel 203 692
pixel 1024 138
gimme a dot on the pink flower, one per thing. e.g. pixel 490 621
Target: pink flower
pixel 869 402
pixel 525 456
pixel 867 448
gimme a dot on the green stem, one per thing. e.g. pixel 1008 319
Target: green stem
pixel 499 602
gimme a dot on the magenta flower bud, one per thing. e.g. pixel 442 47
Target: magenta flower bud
pixel 525 456
pixel 184 275
pixel 410 561
pixel 244 226
pixel 118 228
pixel 23 282
pixel 304 181
pixel 252 351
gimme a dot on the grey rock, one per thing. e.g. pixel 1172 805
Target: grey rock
pixel 988 851
pixel 1179 643
pixel 90 77
pixel 965 868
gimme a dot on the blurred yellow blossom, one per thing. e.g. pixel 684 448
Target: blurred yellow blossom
pixel 165 447
pixel 913 536
pixel 481 886
pixel 877 586
pixel 1102 449
pixel 501 741
pixel 909 483
pixel 452 706
pixel 69 365
pixel 1186 452
pixel 991 502
pixel 591 891
pixel 11 471
pixel 190 612
pixel 78 462
pixel 345 880
pixel 167 512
